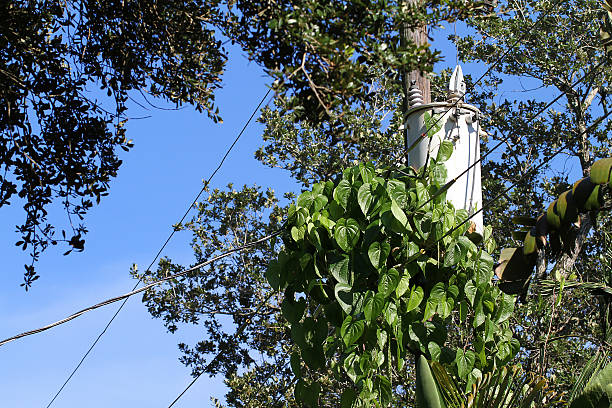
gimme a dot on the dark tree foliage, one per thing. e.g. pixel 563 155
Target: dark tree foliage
pixel 322 53
pixel 58 144
pixel 232 289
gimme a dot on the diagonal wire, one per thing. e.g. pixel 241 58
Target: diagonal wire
pixel 455 103
pixel 540 18
pixel 163 246
pixel 487 204
pixel 510 187
pixel 238 333
pixel 142 289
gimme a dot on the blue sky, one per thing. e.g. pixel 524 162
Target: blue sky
pixel 136 363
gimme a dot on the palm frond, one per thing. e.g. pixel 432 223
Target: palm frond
pixel 506 387
pixel 595 363
pixel 548 287
pixel 598 391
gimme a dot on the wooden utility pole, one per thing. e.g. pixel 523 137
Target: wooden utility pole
pixel 419 37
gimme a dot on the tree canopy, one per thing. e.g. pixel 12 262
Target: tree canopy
pixel 60 135
pixel 348 243
pixel 562 49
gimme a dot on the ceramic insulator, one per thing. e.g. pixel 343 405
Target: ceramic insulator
pixel 415 96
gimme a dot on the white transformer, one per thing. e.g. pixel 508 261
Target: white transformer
pixel 459 123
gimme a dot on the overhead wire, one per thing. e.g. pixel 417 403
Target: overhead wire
pixel 251 244
pixel 236 334
pixel 510 187
pixel 142 289
pixel 540 18
pixel 455 103
pixel 490 202
pixel 197 197
pixel 422 251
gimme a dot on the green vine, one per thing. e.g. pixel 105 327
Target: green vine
pixel 367 269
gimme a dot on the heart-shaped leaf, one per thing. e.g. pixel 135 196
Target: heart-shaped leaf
pixel 374 306
pixel 453 255
pixel 344 296
pixel 339 268
pixel 346 233
pixel 397 192
pixel 391 314
pixel 416 297
pixel 403 285
pixel 388 282
pixel 365 198
pixel 351 330
pixel 445 151
pixel 465 362
pixel 342 193
pixel 292 310
pixel 470 291
pixel 351 366
pixel 367 172
pixel 378 253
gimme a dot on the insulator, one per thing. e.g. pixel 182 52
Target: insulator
pixel 415 96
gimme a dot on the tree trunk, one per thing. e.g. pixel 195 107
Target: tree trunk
pixel 573 245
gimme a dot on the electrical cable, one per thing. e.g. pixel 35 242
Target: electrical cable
pixel 238 333
pixel 163 246
pixel 486 205
pixel 422 251
pixel 540 18
pixel 465 171
pixel 142 289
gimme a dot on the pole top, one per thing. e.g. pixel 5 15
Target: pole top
pixel 456 85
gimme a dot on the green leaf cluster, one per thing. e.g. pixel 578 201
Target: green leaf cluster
pixel 374 268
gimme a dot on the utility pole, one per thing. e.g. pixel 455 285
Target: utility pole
pixel 414 78
pixel 419 37
pixel 451 120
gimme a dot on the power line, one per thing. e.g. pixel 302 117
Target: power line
pixel 219 166
pixel 238 333
pixel 490 202
pixel 163 246
pixel 486 205
pixel 540 18
pixel 146 287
